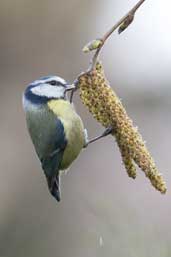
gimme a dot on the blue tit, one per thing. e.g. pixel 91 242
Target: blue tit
pixel 56 130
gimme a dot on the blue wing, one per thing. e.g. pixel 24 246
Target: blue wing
pixel 48 136
pixel 51 161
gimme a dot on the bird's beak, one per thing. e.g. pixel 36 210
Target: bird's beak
pixel 69 87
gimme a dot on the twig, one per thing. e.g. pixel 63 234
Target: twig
pixel 97 44
pixel 123 20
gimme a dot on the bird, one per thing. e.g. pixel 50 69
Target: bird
pixel 56 130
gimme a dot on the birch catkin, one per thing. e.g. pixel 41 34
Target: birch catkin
pixel 105 106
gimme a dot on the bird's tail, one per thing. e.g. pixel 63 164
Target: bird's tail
pixel 54 187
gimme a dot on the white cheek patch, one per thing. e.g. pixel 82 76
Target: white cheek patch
pixel 49 91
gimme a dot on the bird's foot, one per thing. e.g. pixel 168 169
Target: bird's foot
pixel 107 132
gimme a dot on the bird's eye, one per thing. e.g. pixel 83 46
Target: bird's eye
pixel 53 83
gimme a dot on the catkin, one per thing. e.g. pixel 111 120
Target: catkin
pixel 106 107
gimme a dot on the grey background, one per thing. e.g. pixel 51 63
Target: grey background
pixel 102 212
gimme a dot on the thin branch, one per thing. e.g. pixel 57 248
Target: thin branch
pixel 123 23
pixel 125 18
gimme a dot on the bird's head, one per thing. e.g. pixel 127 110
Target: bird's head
pixel 47 88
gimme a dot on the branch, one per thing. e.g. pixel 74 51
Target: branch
pixel 123 23
pixel 97 44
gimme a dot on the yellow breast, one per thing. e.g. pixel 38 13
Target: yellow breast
pixel 73 127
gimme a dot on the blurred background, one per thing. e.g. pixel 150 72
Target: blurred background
pixel 102 212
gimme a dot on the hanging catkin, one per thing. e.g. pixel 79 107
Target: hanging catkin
pixel 106 107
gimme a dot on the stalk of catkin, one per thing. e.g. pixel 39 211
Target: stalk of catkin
pixel 106 107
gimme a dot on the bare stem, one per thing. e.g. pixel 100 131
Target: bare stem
pixel 127 19
pixel 131 13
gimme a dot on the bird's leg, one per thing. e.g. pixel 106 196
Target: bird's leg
pixel 72 94
pixel 76 85
pixel 107 132
pixel 74 89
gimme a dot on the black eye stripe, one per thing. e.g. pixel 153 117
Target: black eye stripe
pixel 55 83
